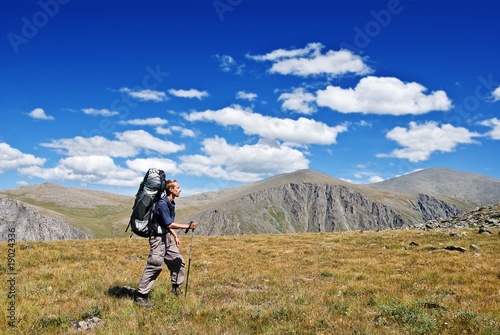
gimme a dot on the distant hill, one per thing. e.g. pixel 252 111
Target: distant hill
pixel 94 213
pixel 309 201
pixel 445 183
pixel 301 201
pixel 31 223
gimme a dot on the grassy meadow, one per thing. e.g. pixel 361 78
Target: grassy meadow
pixel 313 283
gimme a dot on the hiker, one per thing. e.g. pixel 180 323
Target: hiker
pixel 164 246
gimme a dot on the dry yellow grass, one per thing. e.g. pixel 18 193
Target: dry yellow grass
pixel 325 283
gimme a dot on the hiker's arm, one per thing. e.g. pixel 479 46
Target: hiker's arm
pixel 191 225
pixel 176 238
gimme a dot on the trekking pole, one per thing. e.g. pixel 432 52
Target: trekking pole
pixel 189 262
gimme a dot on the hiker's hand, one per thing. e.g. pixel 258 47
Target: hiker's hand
pixel 193 225
pixel 177 241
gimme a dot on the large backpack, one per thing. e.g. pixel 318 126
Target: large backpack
pixel 150 191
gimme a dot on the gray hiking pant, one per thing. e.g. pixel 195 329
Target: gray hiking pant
pixel 163 249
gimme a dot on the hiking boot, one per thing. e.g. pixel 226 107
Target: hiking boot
pixel 143 302
pixel 176 290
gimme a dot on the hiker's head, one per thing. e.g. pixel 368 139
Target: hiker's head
pixel 172 188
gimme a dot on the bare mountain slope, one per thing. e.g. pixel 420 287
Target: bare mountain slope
pixel 30 223
pixel 310 201
pixel 302 201
pixel 97 213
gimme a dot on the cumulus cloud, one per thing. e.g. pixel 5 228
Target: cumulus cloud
pixel 496 94
pixel 383 95
pixel 192 93
pixel 228 64
pixel 243 163
pixel 299 101
pixel 300 131
pixel 143 164
pixel 309 61
pixel 375 179
pixel 419 141
pixel 494 123
pixel 128 144
pixel 184 132
pixel 92 169
pixel 246 96
pixel 145 95
pixel 152 121
pixel 12 159
pixel 101 112
pixel 39 114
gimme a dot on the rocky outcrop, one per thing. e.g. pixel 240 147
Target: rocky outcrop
pixel 432 208
pixel 300 207
pixel 29 224
pixel 485 218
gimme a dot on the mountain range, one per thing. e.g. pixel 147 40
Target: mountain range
pixel 301 201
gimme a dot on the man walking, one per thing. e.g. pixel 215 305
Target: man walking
pixel 164 246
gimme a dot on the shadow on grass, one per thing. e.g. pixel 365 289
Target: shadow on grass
pixel 122 292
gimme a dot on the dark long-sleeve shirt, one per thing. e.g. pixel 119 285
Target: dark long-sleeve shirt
pixel 164 213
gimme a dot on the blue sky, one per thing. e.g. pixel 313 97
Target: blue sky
pixel 219 93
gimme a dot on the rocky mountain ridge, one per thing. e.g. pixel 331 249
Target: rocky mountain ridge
pixel 309 201
pixel 29 223
pixel 302 201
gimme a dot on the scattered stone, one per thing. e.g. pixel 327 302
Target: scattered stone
pixel 483 230
pixel 455 234
pixel 86 324
pixel 474 246
pixel 476 254
pixel 414 244
pixel 455 248
pixel 486 217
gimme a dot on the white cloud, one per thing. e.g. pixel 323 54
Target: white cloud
pixel 143 164
pixel 243 163
pixel 246 96
pixel 152 121
pixel 495 125
pixel 375 179
pixel 299 101
pixel 102 112
pixel 144 140
pixel 301 131
pixel 192 93
pixel 383 95
pixel 129 144
pixel 419 141
pixel 310 61
pixel 496 94
pixel 12 159
pixel 276 55
pixel 145 95
pixel 39 114
pixel 184 131
pixel 228 64
pixel 92 169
